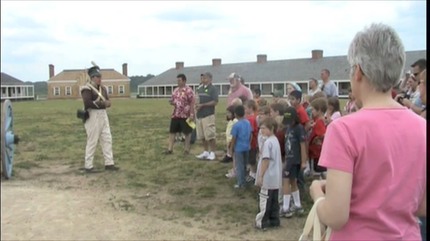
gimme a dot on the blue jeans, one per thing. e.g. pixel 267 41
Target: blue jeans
pixel 423 226
pixel 241 160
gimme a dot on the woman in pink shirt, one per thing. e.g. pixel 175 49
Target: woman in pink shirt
pixel 376 157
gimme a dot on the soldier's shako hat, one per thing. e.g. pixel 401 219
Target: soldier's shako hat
pixel 94 71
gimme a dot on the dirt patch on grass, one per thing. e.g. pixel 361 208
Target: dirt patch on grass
pixel 61 203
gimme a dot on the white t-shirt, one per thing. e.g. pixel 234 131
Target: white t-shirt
pixel 330 89
pixel 271 150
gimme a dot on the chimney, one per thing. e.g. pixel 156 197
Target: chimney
pixel 317 54
pixel 216 62
pixel 51 71
pixel 124 69
pixel 261 58
pixel 179 65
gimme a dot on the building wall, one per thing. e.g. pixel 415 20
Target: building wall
pixel 17 92
pixel 62 90
pixel 75 90
pixel 266 88
pixel 115 88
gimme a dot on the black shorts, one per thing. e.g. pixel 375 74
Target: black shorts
pixel 291 171
pixel 252 157
pixel 180 125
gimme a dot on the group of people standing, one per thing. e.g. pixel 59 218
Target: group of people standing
pixel 368 191
pixel 375 182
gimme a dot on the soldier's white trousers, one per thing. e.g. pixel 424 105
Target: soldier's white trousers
pixel 97 127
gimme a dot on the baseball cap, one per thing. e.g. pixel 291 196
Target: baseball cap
pixel 207 74
pixel 233 76
pixel 290 115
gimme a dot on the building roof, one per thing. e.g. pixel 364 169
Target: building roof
pixel 270 71
pixel 9 80
pixel 74 74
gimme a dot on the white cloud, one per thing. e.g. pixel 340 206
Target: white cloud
pixel 152 35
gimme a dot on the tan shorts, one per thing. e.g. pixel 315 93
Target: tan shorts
pixel 206 128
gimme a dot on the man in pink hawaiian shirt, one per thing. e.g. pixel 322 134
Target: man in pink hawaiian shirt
pixel 183 101
pixel 237 89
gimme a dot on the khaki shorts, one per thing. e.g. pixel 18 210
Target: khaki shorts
pixel 206 128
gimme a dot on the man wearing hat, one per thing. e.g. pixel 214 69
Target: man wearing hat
pixel 205 113
pixel 96 101
pixel 237 89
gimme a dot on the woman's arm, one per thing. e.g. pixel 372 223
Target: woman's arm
pixel 333 211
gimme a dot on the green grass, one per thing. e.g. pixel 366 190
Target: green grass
pixel 52 136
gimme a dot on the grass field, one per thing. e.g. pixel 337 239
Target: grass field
pixel 52 150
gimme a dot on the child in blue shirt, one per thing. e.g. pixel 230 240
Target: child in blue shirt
pixel 240 144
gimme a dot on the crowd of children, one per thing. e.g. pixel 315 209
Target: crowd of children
pixel 273 145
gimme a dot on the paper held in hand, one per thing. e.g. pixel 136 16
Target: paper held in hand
pixel 191 123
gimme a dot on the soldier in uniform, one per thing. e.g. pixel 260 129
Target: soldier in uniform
pixel 96 101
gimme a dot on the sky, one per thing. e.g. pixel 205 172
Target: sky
pixel 151 36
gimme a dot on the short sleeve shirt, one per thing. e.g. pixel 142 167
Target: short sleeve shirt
pixel 330 89
pixel 293 137
pixel 271 150
pixel 241 131
pixel 388 176
pixel 207 94
pixel 182 99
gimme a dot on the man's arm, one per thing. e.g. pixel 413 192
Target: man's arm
pixel 192 101
pixel 335 89
pixel 88 102
pixel 210 103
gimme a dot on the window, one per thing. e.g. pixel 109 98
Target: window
pixel 149 90
pixel 68 90
pixel 121 89
pixel 225 89
pixel 304 87
pixel 162 88
pixel 110 89
pixel 168 90
pixel 266 89
pixel 280 87
pixel 56 91
pixel 344 87
pixel 255 86
pixel 218 88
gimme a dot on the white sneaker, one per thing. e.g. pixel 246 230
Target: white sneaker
pixel 204 155
pixel 211 156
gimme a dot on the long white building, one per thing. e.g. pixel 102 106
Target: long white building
pixel 263 74
pixel 15 89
